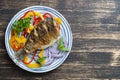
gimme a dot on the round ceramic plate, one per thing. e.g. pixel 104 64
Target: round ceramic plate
pixel 65 32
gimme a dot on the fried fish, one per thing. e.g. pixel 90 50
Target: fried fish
pixel 44 35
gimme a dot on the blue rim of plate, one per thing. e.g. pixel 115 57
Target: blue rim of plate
pixel 65 32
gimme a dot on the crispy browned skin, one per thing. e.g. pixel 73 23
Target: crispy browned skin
pixel 43 35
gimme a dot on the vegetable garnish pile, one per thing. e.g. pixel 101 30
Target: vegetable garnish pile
pixel 42 26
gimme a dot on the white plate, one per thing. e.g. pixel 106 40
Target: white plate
pixel 65 32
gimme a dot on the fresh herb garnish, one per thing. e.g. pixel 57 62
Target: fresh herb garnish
pixel 41 60
pixel 20 25
pixel 61 45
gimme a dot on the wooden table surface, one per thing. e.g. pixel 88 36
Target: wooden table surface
pixel 96 40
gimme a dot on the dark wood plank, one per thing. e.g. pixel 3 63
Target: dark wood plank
pixel 96 40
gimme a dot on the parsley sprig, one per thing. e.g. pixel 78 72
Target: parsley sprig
pixel 20 25
pixel 61 45
pixel 41 60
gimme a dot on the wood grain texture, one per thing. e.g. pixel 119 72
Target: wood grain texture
pixel 95 53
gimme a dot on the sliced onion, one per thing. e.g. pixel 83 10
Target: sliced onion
pixel 66 43
pixel 54 49
pixel 46 53
pixel 49 60
pixel 55 52
pixel 57 55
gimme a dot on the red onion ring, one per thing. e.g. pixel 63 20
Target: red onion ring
pixel 66 43
pixel 54 49
pixel 49 60
pixel 57 55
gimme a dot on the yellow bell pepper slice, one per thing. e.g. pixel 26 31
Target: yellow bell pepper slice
pixel 58 20
pixel 39 14
pixel 41 53
pixel 29 14
pixel 30 29
pixel 31 65
pixel 17 42
pixel 21 39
